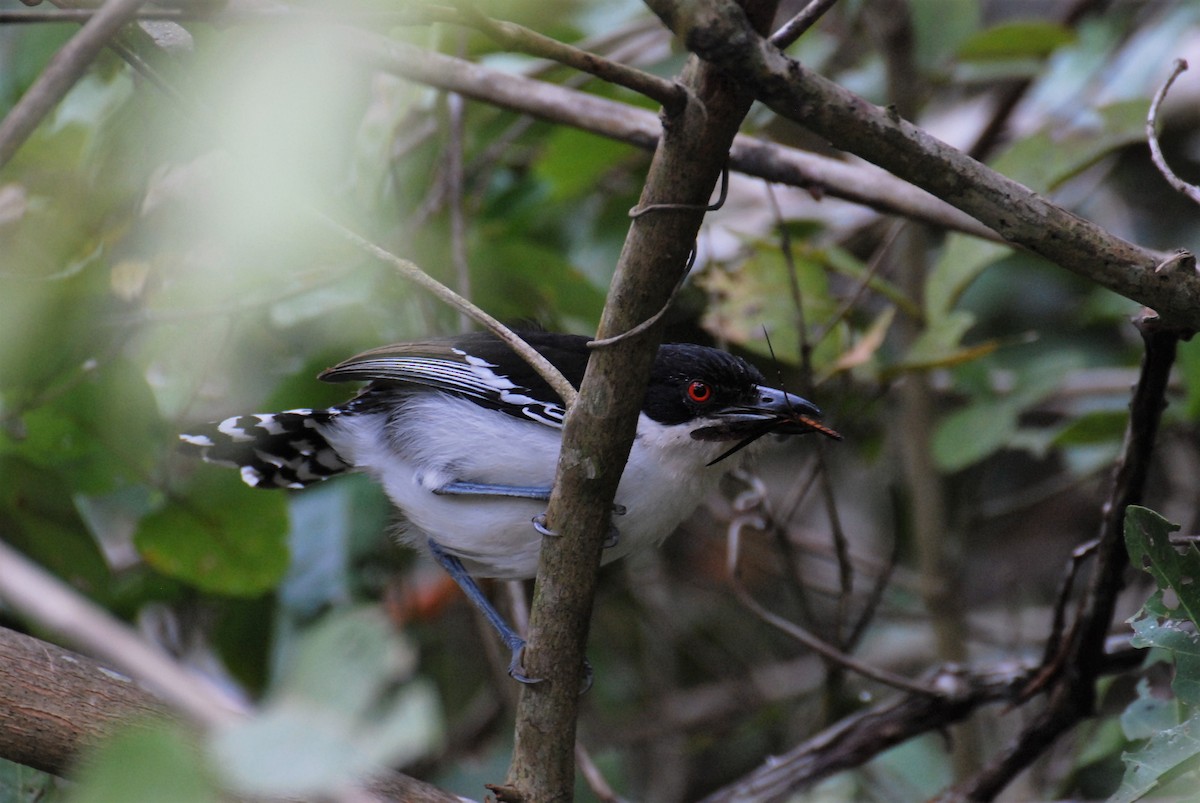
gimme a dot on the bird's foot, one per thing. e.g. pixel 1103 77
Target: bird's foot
pixel 612 539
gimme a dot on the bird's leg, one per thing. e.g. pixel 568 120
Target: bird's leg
pixel 537 492
pixel 461 488
pixel 466 582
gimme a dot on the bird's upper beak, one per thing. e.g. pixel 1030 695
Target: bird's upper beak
pixel 774 411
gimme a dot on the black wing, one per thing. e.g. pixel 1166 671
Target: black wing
pixel 478 367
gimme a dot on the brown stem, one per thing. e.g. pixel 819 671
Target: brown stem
pixel 717 31
pixel 599 429
pixel 1071 692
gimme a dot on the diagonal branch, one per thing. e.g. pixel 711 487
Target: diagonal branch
pixel 718 31
pixel 858 183
pixel 67 67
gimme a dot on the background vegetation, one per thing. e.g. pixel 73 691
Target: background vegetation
pixel 166 257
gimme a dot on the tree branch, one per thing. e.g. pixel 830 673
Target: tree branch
pixel 599 429
pixel 859 183
pixel 54 703
pixel 857 738
pixel 1156 154
pixel 718 31
pixel 67 66
pixel 1070 676
pixel 670 95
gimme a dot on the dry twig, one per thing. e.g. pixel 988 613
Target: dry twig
pixel 1156 154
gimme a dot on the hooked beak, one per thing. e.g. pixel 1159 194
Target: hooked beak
pixel 775 412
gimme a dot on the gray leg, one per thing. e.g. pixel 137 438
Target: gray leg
pixel 466 582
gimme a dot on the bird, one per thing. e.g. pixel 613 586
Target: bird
pixel 464 436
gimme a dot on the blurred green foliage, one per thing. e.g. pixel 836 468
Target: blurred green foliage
pixel 160 266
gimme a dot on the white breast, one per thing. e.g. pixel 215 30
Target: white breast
pixel 664 481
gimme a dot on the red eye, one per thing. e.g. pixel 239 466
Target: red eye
pixel 699 392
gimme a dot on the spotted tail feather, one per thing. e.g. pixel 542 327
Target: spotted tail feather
pixel 272 450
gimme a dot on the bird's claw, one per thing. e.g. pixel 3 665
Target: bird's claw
pixel 517 672
pixel 588 677
pixel 515 669
pixel 610 541
pixel 539 524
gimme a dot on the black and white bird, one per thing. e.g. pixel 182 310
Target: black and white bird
pixel 464 437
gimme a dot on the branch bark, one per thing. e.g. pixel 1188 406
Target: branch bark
pixel 599 429
pixel 718 31
pixel 861 183
pixel 67 66
pixel 54 704
pixel 1070 678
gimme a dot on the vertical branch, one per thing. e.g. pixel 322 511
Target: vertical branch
pixel 599 429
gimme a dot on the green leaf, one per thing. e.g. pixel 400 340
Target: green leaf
pixel 224 537
pixel 1046 159
pixel 1189 366
pixel 38 516
pixel 1041 162
pixel 1166 755
pixel 21 784
pixel 102 431
pixel 1148 715
pixel 145 763
pixel 1099 427
pixel 1019 39
pixel 758 295
pixel 940 343
pixel 1175 568
pixel 969 435
pixel 332 524
pixel 574 162
pixel 336 716
pixel 939 27
pixel 1180 641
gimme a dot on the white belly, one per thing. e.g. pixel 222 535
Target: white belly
pixel 494 536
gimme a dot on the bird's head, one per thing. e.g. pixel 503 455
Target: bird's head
pixel 724 398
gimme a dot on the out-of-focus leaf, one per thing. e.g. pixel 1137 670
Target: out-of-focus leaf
pixel 940 344
pixel 573 162
pixel 867 345
pixel 325 538
pixel 38 516
pixel 1188 361
pixel 972 433
pixel 1041 162
pixel 101 431
pixel 336 715
pixel 939 27
pixel 962 260
pixel 21 784
pixel 145 763
pixel 223 537
pixel 913 770
pixel 842 261
pixel 758 295
pixel 1046 159
pixel 1148 715
pixel 518 278
pixel 989 424
pixel 1016 40
pixel 1103 426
